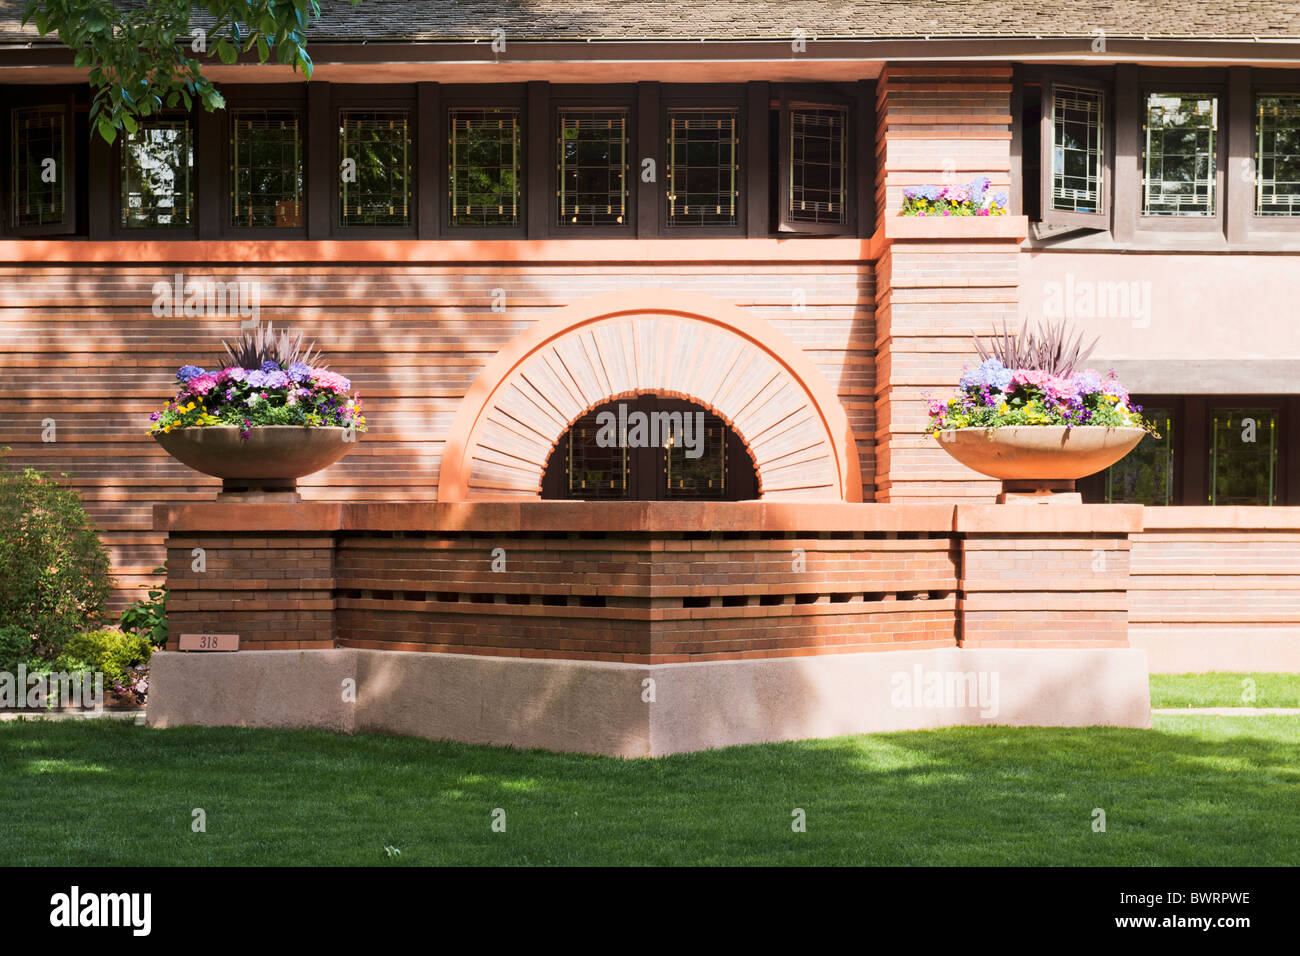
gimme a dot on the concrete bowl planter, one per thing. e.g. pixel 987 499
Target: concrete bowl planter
pixel 273 456
pixel 1039 453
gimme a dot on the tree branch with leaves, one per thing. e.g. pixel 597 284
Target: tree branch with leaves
pixel 145 57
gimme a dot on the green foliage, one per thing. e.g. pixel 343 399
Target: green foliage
pixel 147 618
pixel 54 572
pixel 111 652
pixel 16 647
pixel 138 57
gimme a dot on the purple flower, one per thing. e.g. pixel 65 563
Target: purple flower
pixel 269 366
pixel 187 372
pixel 300 372
pixel 990 374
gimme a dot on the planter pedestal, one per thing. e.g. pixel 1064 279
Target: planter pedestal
pixel 261 490
pixel 1045 492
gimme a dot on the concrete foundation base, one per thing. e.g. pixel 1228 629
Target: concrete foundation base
pixel 1201 650
pixel 631 710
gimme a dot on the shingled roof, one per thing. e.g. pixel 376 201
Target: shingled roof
pixel 613 20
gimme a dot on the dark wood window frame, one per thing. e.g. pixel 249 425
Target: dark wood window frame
pixel 565 98
pixel 1100 81
pixel 479 96
pixel 25 98
pixel 1184 81
pixel 1192 438
pixel 204 166
pixel 1249 85
pixel 382 97
pixel 786 97
pixel 221 178
pixel 674 99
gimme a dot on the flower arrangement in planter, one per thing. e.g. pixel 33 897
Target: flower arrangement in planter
pixel 1028 414
pixel 271 414
pixel 972 199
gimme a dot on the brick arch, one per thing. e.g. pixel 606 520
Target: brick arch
pixel 652 341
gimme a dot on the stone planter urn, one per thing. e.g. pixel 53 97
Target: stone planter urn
pixel 268 462
pixel 1039 462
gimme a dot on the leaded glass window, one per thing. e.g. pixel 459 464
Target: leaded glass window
pixel 1179 154
pixel 158 174
pixel 1277 155
pixel 703 171
pixel 593 164
pixel 39 146
pixel 593 469
pixel 375 174
pixel 1077 159
pixel 1243 456
pixel 1145 476
pixel 266 168
pixel 818 165
pixel 484 181
pixel 705 474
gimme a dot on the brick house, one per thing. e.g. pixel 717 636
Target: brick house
pixel 501 220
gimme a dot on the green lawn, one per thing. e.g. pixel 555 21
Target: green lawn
pixel 1225 690
pixel 1193 790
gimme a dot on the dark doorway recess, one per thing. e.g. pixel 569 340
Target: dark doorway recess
pixel 595 461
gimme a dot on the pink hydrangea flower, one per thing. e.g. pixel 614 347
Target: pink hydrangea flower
pixel 331 381
pixel 202 384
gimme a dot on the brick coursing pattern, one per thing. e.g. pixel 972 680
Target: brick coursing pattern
pixel 82 346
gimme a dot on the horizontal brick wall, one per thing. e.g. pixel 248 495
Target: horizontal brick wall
pixel 645 598
pixel 638 582
pixel 938 124
pixel 1227 569
pixel 79 344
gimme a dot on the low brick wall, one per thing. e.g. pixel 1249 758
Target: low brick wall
pixel 1217 589
pixel 649 582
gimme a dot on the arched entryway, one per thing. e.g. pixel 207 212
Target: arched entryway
pixel 650 449
pixel 629 344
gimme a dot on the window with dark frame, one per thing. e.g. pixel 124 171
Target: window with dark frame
pixel 1145 476
pixel 266 168
pixel 484 179
pixel 1277 154
pixel 1078 160
pixel 1243 456
pixel 157 184
pixel 703 171
pixel 817 166
pixel 592 165
pixel 40 172
pixel 1180 154
pixel 376 187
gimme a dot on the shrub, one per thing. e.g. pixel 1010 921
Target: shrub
pixel 122 658
pixel 54 572
pixel 16 647
pixel 148 617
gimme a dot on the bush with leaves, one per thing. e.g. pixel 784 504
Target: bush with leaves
pixel 54 572
pixel 122 658
pixel 148 617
